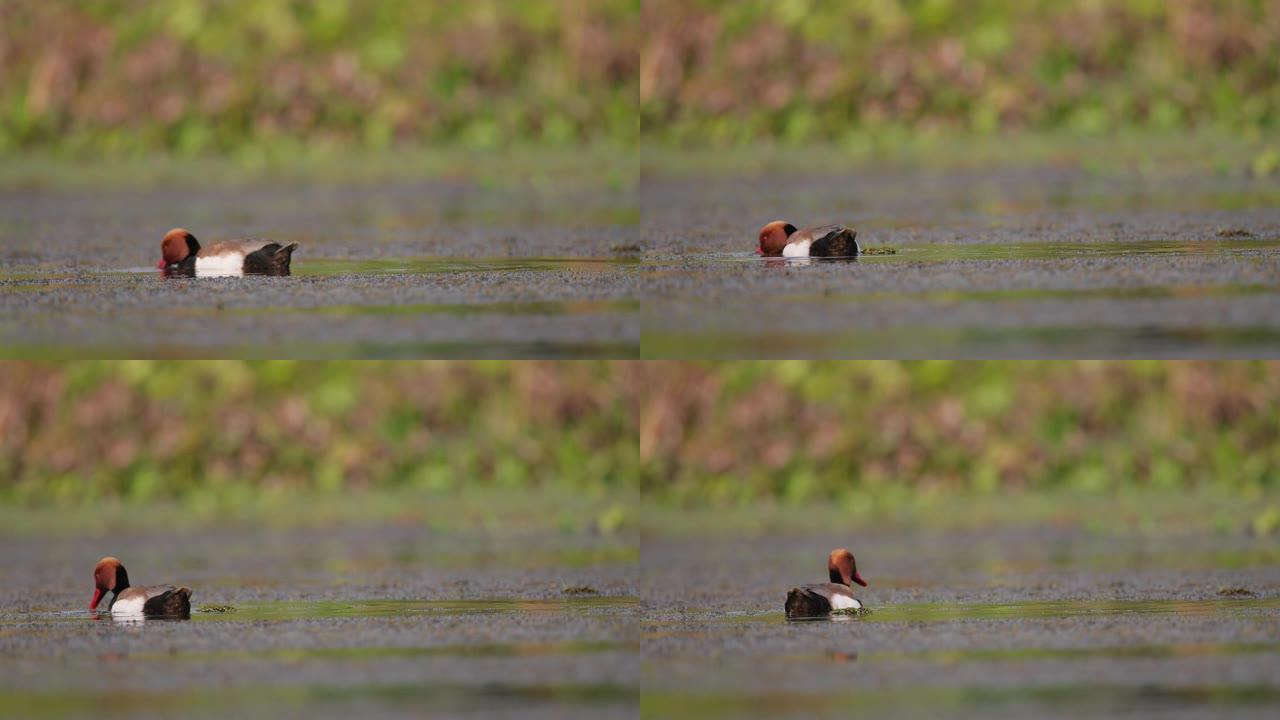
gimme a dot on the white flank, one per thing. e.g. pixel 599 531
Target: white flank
pixel 844 602
pixel 223 265
pixel 132 606
pixel 796 249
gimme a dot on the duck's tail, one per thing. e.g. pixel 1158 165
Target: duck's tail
pixel 282 256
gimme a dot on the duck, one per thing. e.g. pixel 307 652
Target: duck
pixel 781 239
pixel 109 576
pixel 182 254
pixel 809 601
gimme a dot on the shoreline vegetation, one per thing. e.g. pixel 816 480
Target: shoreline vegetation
pixel 862 441
pixel 1119 512
pixel 622 169
pixel 1124 152
pixel 602 165
pixel 270 82
pixel 1147 512
pixel 120 78
pixel 729 73
pixel 212 434
pixel 500 513
pixel 801 432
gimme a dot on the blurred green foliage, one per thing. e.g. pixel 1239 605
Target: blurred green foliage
pixel 224 434
pixel 213 434
pixel 279 78
pixel 125 77
pixel 736 71
pixel 858 433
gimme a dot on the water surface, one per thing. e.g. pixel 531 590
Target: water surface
pixel 997 263
pixel 1003 262
pixel 343 622
pixel 393 269
pixel 1004 622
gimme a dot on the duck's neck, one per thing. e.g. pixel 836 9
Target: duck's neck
pixel 122 584
pixel 116 593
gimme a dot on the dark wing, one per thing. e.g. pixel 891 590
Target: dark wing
pixel 807 601
pixel 833 241
pixel 272 258
pixel 166 600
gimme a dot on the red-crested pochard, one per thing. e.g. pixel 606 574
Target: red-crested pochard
pixel 182 254
pixel 782 239
pixel 109 576
pixel 819 600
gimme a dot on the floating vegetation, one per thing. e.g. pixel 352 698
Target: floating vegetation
pixel 851 612
pixel 217 608
pixel 1234 233
pixel 626 249
pixel 879 250
pixel 580 590
pixel 1234 591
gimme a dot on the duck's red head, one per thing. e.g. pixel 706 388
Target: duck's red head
pixel 177 245
pixel 843 568
pixel 773 237
pixel 109 576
